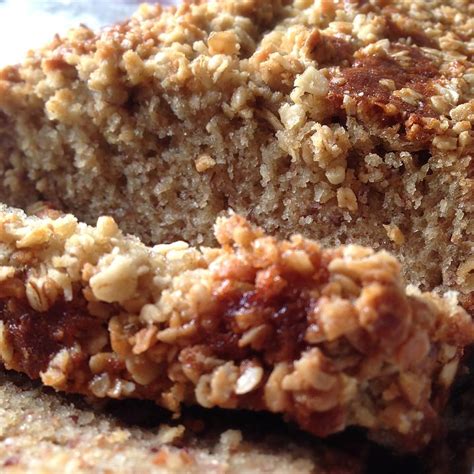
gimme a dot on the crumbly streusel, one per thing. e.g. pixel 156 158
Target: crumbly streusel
pixel 327 337
pixel 347 121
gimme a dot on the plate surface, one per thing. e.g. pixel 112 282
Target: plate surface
pixel 26 24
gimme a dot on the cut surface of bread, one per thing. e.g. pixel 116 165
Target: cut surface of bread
pixel 345 121
pixel 47 433
pixel 329 338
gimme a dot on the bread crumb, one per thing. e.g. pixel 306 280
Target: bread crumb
pixel 347 199
pixel 204 163
pixel 394 233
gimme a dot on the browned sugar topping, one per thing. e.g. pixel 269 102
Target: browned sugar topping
pixel 344 121
pixel 327 337
pixel 39 336
pixel 364 81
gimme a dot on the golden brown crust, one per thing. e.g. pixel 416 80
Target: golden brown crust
pixel 329 338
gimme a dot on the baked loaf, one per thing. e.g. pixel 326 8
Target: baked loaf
pixel 43 432
pixel 327 337
pixel 346 121
pixel 65 434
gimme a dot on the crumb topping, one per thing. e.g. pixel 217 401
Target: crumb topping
pixel 330 118
pixel 328 337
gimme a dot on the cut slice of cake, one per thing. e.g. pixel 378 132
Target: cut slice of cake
pixel 65 435
pixel 327 337
pixel 345 121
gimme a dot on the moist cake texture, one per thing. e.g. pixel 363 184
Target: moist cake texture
pixel 65 435
pixel 347 121
pixel 328 338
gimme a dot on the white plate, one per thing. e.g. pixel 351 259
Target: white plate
pixel 29 24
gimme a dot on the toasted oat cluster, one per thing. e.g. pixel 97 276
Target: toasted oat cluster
pixel 346 121
pixel 327 337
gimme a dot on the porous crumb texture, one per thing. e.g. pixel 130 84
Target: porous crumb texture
pixel 347 121
pixel 328 338
pixel 41 432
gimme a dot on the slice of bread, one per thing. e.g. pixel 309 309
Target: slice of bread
pixel 327 337
pixel 346 121
pixel 48 433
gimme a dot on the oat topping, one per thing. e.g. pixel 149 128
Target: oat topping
pixel 333 119
pixel 327 337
